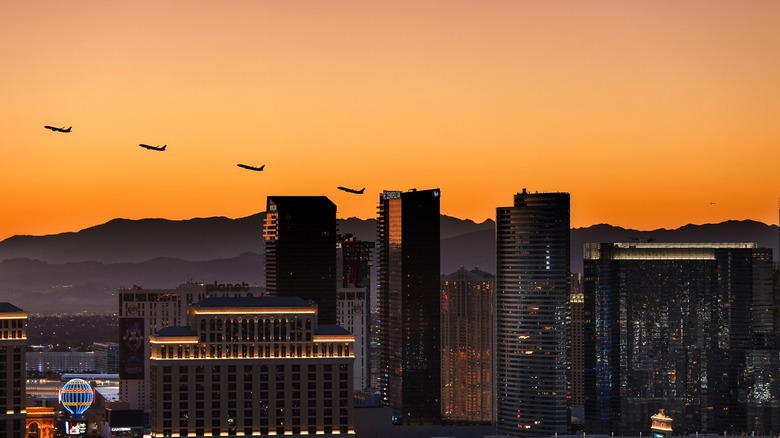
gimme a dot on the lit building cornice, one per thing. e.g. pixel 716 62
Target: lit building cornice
pixel 254 311
pixel 173 339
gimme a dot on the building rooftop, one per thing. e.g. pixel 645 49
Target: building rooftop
pixel 332 329
pixel 300 201
pixel 252 302
pixel 9 308
pixel 172 331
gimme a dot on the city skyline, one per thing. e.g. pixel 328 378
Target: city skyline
pixel 652 115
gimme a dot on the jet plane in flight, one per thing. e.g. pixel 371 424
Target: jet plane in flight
pixel 348 190
pixel 153 148
pixel 248 167
pixel 56 129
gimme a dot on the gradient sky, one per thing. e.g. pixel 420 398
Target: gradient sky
pixel 647 112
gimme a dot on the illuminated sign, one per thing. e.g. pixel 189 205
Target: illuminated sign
pixel 391 195
pixel 227 287
pixel 75 427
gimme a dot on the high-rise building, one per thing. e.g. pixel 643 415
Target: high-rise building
pixel 106 357
pixel 142 313
pixel 13 346
pixel 467 340
pixel 409 309
pixel 577 351
pixel 532 294
pixel 252 366
pixel 681 327
pixel 300 250
pixel 352 311
pixel 353 263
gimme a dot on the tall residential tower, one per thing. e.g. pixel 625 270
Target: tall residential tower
pixel 532 292
pixel 300 250
pixel 408 298
pixel 467 341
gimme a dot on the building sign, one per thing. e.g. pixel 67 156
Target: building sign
pixel 661 425
pixel 131 348
pixel 77 427
pixel 391 195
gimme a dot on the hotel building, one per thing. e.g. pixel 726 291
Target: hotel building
pixel 13 345
pixel 252 367
pixel 142 313
pixel 300 250
pixel 409 305
pixel 532 294
pixel 467 341
pixel 681 327
pixel 353 262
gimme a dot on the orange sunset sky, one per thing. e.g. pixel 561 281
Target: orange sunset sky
pixel 647 112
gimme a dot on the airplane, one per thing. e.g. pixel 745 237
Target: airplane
pixel 348 190
pixel 56 129
pixel 153 148
pixel 246 166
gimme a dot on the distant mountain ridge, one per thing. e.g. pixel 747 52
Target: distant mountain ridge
pixel 82 270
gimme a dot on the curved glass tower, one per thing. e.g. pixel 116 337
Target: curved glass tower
pixel 532 289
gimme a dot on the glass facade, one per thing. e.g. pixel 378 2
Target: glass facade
pixel 408 298
pixel 532 293
pixel 300 250
pixel 671 326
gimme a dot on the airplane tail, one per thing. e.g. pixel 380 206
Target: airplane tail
pixel 164 146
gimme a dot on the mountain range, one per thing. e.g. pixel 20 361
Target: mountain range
pixel 82 271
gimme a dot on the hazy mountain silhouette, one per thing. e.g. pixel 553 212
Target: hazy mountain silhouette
pixel 125 240
pixel 82 270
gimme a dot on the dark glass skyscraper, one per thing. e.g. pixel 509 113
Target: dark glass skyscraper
pixel 532 293
pixel 678 326
pixel 408 299
pixel 300 250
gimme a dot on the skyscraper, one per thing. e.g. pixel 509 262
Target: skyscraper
pixel 467 342
pixel 408 299
pixel 532 291
pixel 682 327
pixel 300 250
pixel 354 266
pixel 13 346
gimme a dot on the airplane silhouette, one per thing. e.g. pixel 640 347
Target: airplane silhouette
pixel 348 190
pixel 153 148
pixel 56 129
pixel 246 166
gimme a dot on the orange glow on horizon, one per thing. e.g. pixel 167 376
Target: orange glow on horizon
pixel 651 114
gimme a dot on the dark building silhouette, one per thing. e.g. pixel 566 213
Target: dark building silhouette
pixel 532 295
pixel 577 352
pixel 408 298
pixel 300 250
pixel 354 261
pixel 13 346
pixel 681 327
